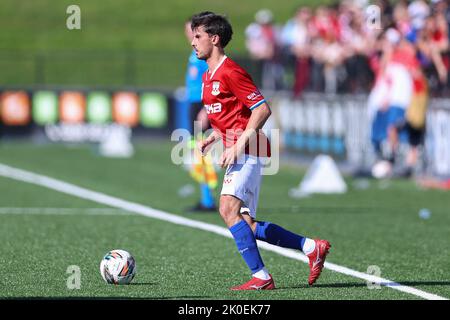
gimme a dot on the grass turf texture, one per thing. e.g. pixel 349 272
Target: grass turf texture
pixel 375 226
pixel 37 47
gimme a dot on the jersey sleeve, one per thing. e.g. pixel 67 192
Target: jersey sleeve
pixel 242 86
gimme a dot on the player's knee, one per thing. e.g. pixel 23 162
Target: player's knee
pixel 224 209
pixel 228 209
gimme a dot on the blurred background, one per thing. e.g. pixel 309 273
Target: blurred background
pixel 325 67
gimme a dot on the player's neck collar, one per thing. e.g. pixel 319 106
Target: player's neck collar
pixel 218 66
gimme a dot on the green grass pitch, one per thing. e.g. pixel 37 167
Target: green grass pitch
pixel 379 226
pixel 35 39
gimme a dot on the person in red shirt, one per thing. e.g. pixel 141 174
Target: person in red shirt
pixel 237 112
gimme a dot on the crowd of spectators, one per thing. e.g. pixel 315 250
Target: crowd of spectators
pixel 338 48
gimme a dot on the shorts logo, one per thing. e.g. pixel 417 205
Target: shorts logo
pixel 228 179
pixel 215 88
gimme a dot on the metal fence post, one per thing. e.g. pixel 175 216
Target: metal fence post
pixel 130 67
pixel 39 68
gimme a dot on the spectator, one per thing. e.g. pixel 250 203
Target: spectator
pixel 442 13
pixel 392 93
pixel 415 117
pixel 399 99
pixel 401 19
pixel 418 11
pixel 327 50
pixel 357 41
pixel 431 43
pixel 296 36
pixel 263 45
pixel 334 49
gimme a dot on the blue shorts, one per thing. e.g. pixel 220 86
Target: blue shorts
pixel 396 117
pixel 379 126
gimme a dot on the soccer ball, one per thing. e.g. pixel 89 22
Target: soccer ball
pixel 118 267
pixel 382 169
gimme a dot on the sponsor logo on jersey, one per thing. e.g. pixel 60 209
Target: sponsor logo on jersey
pixel 215 88
pixel 213 108
pixel 254 95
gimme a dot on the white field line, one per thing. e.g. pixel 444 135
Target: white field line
pixel 63 211
pixel 64 187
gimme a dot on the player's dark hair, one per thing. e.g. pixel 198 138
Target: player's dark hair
pixel 214 24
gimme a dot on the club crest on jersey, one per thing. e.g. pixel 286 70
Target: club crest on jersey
pixel 215 88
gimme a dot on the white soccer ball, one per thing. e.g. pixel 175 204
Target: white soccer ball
pixel 382 169
pixel 118 267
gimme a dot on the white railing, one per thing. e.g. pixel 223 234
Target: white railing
pixel 339 125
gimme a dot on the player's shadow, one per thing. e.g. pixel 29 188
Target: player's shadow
pixel 423 283
pixel 321 210
pixel 142 284
pixel 363 284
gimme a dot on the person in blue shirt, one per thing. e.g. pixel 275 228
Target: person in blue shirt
pixel 203 172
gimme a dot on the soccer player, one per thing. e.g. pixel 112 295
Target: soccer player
pixel 237 112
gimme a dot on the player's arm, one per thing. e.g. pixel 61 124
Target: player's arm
pixel 242 86
pixel 255 123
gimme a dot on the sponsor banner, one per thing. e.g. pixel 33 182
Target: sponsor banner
pixel 154 110
pixel 99 107
pixel 72 107
pixel 84 132
pixel 15 108
pixel 145 112
pixel 45 107
pixel 126 108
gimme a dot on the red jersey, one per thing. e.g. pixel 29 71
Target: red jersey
pixel 229 96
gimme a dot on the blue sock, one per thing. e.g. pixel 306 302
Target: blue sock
pixel 206 196
pixel 274 234
pixel 246 244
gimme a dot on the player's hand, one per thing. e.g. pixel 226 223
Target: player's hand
pixel 228 157
pixel 202 146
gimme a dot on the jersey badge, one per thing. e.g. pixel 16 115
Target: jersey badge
pixel 215 88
